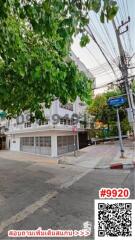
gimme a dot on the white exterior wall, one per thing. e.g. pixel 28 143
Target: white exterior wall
pixel 15 143
pixel 54 150
pixel 15 140
pixel 78 109
pixel 54 109
pixel 16 131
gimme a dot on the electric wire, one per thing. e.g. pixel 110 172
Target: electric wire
pixel 102 66
pixel 108 47
pixel 103 53
pixel 104 45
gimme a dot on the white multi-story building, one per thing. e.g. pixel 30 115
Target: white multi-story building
pixel 60 133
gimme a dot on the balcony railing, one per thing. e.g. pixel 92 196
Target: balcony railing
pixel 26 127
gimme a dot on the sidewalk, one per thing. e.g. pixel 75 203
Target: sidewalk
pixel 101 156
pixel 27 157
pixel 129 154
pixel 95 156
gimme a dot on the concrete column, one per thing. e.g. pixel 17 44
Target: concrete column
pixel 54 151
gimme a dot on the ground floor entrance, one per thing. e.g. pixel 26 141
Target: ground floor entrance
pixel 83 139
pixel 54 145
pixel 66 144
pixel 2 142
pixel 39 145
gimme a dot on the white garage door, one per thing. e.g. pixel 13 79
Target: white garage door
pixel 38 145
pixel 27 144
pixel 43 145
pixel 65 144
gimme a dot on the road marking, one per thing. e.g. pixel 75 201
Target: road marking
pixel 75 179
pixel 27 211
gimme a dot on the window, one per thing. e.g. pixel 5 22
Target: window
pixel 27 124
pixel 69 122
pixel 61 121
pixel 43 122
pixel 65 122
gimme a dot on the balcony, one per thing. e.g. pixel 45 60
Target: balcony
pixel 23 128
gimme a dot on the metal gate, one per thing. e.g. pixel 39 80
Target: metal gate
pixel 65 144
pixel 38 145
pixel 27 144
pixel 43 145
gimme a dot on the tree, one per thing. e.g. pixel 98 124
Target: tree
pixel 107 115
pixel 35 41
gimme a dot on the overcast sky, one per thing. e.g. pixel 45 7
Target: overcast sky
pixel 105 35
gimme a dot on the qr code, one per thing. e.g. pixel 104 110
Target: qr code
pixel 114 219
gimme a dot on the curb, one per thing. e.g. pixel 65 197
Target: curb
pixel 122 165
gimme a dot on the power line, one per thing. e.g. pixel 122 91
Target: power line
pixel 121 12
pixel 124 14
pixel 98 63
pixel 108 38
pixel 102 66
pixel 94 39
pixel 123 9
pixel 127 8
pixel 124 6
pixel 112 51
pixel 100 39
pixel 129 38
pixel 115 82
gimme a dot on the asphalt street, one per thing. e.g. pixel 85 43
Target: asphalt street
pixel 56 197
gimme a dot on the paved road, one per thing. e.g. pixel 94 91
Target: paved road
pixel 35 195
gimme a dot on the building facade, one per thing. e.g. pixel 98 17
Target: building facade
pixel 57 135
pixel 60 133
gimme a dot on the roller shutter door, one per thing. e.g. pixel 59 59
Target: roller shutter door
pixel 39 145
pixel 65 144
pixel 27 144
pixel 43 145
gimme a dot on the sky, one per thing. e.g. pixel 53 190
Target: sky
pixel 92 57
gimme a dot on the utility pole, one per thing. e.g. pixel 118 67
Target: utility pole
pixel 120 135
pixel 123 65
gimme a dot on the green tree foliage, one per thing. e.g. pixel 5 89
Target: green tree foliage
pixel 35 41
pixel 107 115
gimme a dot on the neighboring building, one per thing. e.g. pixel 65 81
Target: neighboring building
pixel 49 137
pixel 82 67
